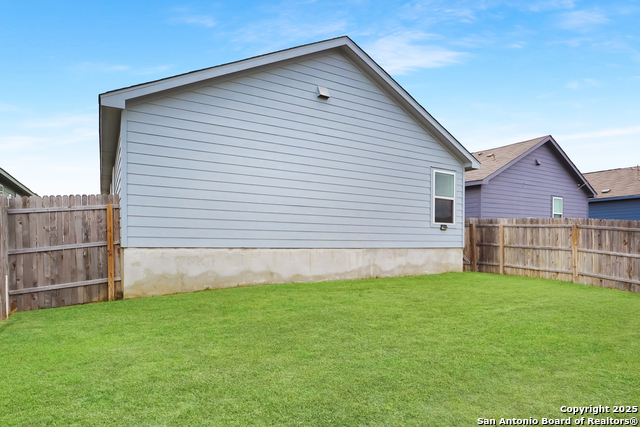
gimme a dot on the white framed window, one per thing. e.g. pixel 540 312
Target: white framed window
pixel 444 197
pixel 557 207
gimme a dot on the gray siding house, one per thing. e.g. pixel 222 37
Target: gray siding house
pixel 306 164
pixel 11 187
pixel 529 179
pixel 618 194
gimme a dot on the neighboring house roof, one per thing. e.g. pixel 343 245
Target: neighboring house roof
pixel 5 177
pixel 493 161
pixel 112 103
pixel 621 183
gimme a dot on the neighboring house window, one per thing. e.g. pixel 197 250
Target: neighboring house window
pixel 444 200
pixel 557 207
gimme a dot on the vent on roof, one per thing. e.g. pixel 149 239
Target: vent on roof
pixel 492 155
pixel 606 191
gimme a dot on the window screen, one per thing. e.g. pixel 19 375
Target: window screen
pixel 444 197
pixel 557 207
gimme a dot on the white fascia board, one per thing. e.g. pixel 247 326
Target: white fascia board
pixel 118 98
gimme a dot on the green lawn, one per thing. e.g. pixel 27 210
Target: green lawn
pixel 430 350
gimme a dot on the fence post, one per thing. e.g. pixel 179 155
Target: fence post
pixel 501 247
pixel 4 259
pixel 110 262
pixel 472 244
pixel 575 238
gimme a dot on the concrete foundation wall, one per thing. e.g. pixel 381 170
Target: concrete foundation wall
pixel 162 271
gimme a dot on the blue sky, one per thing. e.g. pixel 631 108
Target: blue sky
pixel 492 72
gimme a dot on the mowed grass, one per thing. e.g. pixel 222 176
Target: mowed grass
pixel 438 350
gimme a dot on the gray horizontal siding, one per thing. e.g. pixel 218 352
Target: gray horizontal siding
pixel 472 201
pixel 616 209
pixel 525 190
pixel 260 161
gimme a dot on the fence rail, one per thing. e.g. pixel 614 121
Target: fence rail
pixel 595 252
pixel 59 250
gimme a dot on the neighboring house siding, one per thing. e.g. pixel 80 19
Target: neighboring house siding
pixel 526 190
pixel 6 189
pixel 258 161
pixel 616 209
pixel 472 201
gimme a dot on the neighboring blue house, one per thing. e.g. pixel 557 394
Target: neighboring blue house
pixel 619 194
pixel 529 179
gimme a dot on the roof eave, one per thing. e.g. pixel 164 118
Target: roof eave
pixel 575 169
pixel 614 198
pixel 17 183
pixel 118 98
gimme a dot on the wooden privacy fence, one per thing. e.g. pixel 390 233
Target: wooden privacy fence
pixel 57 251
pixel 603 253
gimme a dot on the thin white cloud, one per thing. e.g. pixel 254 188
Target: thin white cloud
pixel 474 41
pixel 583 83
pixel 573 41
pixel 10 108
pixel 545 5
pixel 630 130
pixel 582 19
pixel 405 52
pixel 183 15
pixel 151 70
pixel 61 121
pixel 518 45
pixel 467 11
pixel 18 143
pixel 100 67
pixel 200 20
pixel 432 11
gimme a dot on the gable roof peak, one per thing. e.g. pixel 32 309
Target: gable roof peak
pixel 112 103
pixel 496 160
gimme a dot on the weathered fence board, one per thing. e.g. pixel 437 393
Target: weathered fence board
pixel 603 253
pixel 58 250
pixel 4 263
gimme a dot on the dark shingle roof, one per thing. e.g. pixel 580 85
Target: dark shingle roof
pixel 622 182
pixel 494 159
